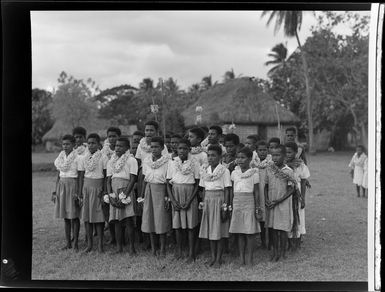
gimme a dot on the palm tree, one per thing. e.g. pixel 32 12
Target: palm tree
pixel 279 58
pixel 291 21
pixel 146 84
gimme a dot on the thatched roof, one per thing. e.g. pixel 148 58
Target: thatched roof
pixel 99 126
pixel 240 101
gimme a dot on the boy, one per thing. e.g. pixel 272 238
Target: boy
pixel 251 143
pixel 291 136
pixel 279 186
pixel 273 143
pixel 231 145
pixel 213 137
pixel 137 136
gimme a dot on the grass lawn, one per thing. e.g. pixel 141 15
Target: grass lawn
pixel 334 248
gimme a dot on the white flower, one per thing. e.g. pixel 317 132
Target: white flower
pixel 230 208
pixel 128 199
pixel 106 199
pixel 140 200
pixel 124 201
pixel 122 196
pixel 112 195
pixel 201 205
pixel 199 109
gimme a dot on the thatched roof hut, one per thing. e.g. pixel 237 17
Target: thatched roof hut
pixel 242 102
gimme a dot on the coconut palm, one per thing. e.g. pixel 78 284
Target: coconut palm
pixel 291 21
pixel 279 58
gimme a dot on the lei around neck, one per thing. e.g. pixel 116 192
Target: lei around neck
pixel 196 150
pixel 117 162
pixel 63 162
pixel 186 167
pixel 92 160
pixel 217 174
pixel 248 173
pixel 157 163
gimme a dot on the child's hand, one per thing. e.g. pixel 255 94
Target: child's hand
pixel 53 197
pixel 302 203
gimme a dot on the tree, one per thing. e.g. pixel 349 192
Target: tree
pixel 229 75
pixel 41 117
pixel 279 56
pixel 73 102
pixel 291 21
pixel 207 82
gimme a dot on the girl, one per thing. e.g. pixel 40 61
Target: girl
pixel 122 170
pixel 215 179
pixel 279 182
pixel 93 171
pixel 174 145
pixel 66 195
pixel 365 178
pixel 245 205
pixel 113 134
pixel 262 161
pixel 155 218
pixel 357 168
pixel 80 134
pixel 183 176
pixel 301 174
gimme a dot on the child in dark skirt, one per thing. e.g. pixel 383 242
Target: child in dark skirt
pixel 66 195
pixel 215 179
pixel 92 178
pixel 183 180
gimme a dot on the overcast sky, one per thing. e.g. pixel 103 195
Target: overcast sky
pixel 123 47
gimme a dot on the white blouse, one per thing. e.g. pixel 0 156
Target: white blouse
pixel 142 154
pixel 301 172
pixel 73 170
pixel 244 185
pixel 200 157
pixel 176 176
pixel 97 173
pixel 154 175
pixel 219 184
pixel 130 167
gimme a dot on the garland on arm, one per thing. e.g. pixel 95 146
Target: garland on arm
pixel 63 162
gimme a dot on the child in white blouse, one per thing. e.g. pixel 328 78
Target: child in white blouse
pixel 183 180
pixel 356 166
pixel 246 208
pixel 122 170
pixel 155 218
pixel 215 179
pixel 66 195
pixel 92 178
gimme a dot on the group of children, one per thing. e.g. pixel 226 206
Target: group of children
pixel 189 185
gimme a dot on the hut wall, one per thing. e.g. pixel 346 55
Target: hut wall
pixel 272 131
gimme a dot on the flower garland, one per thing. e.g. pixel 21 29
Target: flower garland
pixel 63 162
pixel 92 160
pixel 217 174
pixel 205 142
pixel 186 167
pixel 117 162
pixel 158 163
pixel 295 163
pixel 81 149
pixel 106 150
pixel 262 164
pixel 247 173
pixel 196 150
pixel 144 146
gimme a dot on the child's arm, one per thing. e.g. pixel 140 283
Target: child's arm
pixel 194 193
pixel 266 191
pixel 232 193
pixel 104 181
pixel 303 192
pixel 80 183
pixel 257 204
pixel 144 184
pixel 53 197
pixel 288 194
pixel 131 184
pixel 108 186
pixel 227 195
pixel 174 202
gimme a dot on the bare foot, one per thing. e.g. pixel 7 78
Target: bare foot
pixel 68 246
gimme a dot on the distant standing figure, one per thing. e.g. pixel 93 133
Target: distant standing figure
pixel 357 168
pixel 365 178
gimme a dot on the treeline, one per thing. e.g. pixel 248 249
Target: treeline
pixel 337 74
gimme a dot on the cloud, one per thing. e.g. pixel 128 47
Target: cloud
pixel 116 47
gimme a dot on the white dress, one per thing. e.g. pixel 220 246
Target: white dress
pixel 365 178
pixel 357 164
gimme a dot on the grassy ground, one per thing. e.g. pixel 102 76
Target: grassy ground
pixel 334 249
